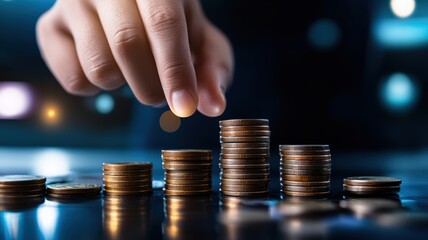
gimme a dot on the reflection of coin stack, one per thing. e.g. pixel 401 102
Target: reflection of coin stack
pixel 244 158
pixel 187 172
pixel 188 217
pixel 126 217
pixel 230 202
pixel 305 170
pixel 22 186
pixel 127 178
pixel 371 185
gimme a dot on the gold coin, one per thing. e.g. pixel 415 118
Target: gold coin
pixel 320 171
pixel 109 178
pixel 306 184
pixel 243 122
pixel 127 173
pixel 246 128
pixel 126 166
pixel 20 188
pixel 244 139
pixel 188 182
pixel 245 145
pixel 245 171
pixel 127 188
pixel 187 153
pixel 243 161
pixel 244 133
pixel 186 175
pixel 245 176
pixel 305 178
pixel 186 166
pixel 128 183
pixel 245 151
pixel 305 163
pixel 247 166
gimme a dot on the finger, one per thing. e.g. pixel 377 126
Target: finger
pixel 91 45
pixel 166 28
pixel 57 49
pixel 128 42
pixel 214 69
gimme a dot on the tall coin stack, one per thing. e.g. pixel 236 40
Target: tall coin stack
pixel 244 158
pixel 127 178
pixel 187 172
pixel 305 170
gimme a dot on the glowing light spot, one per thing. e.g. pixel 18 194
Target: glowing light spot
pixel 104 104
pixel 52 162
pixel 15 100
pixel 50 114
pixel 399 92
pixel 403 8
pixel 47 217
pixel 169 122
pixel 324 34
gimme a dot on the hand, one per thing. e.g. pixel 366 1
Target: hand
pixel 164 49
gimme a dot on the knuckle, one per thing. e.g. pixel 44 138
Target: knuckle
pixel 74 84
pixel 125 37
pixel 162 19
pixel 172 72
pixel 103 74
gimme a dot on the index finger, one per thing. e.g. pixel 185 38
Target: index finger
pixel 166 28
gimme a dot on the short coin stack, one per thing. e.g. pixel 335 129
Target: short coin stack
pixel 129 178
pixel 22 186
pixel 244 158
pixel 187 172
pixel 371 185
pixel 73 190
pixel 305 170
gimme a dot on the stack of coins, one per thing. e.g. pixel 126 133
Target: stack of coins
pixel 127 178
pixel 22 186
pixel 187 172
pixel 73 190
pixel 244 158
pixel 305 170
pixel 371 185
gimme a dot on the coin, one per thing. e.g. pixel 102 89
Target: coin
pixel 305 189
pixel 306 184
pixel 243 181
pixel 244 161
pixel 372 181
pixel 306 157
pixel 127 192
pixel 246 128
pixel 127 173
pixel 246 145
pixel 73 188
pixel 307 178
pixel 242 194
pixel 20 188
pixel 185 175
pixel 247 166
pixel 244 133
pixel 246 171
pixel 320 171
pixel 305 163
pixel 185 193
pixel 82 195
pixel 188 187
pixel 188 182
pixel 370 188
pixel 127 166
pixel 128 183
pixel 239 156
pixel 244 188
pixel 304 152
pixel 21 180
pixel 244 139
pixel 245 176
pixel 244 151
pixel 243 122
pixel 127 178
pixel 187 153
pixel 304 167
pixel 306 194
pixel 304 147
pixel 128 188
pixel 169 166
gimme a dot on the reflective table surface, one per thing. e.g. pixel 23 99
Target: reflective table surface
pixel 154 216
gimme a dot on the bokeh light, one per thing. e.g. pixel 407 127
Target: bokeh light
pixel 324 34
pixel 51 114
pixel 403 8
pixel 104 103
pixel 15 100
pixel 169 122
pixel 52 162
pixel 399 92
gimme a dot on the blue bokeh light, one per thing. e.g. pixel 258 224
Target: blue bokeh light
pixel 402 33
pixel 324 34
pixel 104 103
pixel 399 92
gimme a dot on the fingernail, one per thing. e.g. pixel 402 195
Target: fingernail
pixel 183 103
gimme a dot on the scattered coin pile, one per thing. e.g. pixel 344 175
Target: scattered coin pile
pixel 73 190
pixel 244 158
pixel 22 186
pixel 127 178
pixel 187 172
pixel 305 170
pixel 371 185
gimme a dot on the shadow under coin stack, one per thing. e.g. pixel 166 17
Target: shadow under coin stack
pixel 73 190
pixel 305 170
pixel 244 158
pixel 133 178
pixel 21 186
pixel 371 185
pixel 187 172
